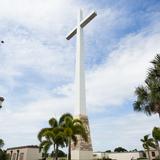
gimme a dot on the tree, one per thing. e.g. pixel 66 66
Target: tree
pixel 147 143
pixel 51 137
pixel 148 95
pixel 4 155
pixel 156 136
pixel 120 149
pixel 60 154
pixel 1 143
pixel 72 128
pixel 108 151
pixel 134 150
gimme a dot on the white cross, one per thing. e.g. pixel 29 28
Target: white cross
pixel 80 97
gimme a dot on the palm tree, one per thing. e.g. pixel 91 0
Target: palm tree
pixel 51 137
pixel 148 95
pixel 72 129
pixel 156 136
pixel 147 143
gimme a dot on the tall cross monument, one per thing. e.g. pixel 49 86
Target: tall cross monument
pixel 83 150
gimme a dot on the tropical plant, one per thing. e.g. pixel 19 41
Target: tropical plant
pixel 4 155
pixel 51 137
pixel 147 143
pixel 156 136
pixel 60 154
pixel 1 143
pixel 148 95
pixel 120 149
pixel 72 129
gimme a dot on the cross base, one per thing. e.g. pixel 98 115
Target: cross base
pixel 83 150
pixel 81 155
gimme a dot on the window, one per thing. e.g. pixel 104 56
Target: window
pixel 14 156
pixel 153 154
pixel 21 156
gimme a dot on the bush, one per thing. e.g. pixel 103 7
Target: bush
pixel 4 155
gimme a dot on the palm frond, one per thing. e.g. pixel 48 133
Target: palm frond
pixel 53 122
pixel 41 133
pixel 62 118
pixel 43 144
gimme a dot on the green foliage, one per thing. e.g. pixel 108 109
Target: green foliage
pixel 120 149
pixel 156 136
pixel 108 151
pixel 72 128
pixel 147 142
pixel 60 134
pixel 52 136
pixel 1 143
pixel 4 155
pixel 148 95
pixel 60 154
pixel 156 133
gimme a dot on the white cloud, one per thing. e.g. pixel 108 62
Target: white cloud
pixel 114 82
pixel 125 131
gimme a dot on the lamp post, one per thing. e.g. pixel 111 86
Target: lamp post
pixel 1 98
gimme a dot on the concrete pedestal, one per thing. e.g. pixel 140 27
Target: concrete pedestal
pixel 83 150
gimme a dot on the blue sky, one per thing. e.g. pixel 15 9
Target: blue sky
pixel 37 67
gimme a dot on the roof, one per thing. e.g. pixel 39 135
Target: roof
pixel 22 147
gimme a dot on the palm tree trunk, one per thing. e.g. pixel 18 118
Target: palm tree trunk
pixel 69 149
pixel 56 153
pixel 149 157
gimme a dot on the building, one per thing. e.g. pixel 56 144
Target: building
pixel 118 155
pixel 153 153
pixel 24 153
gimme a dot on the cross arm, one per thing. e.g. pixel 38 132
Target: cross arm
pixel 88 19
pixel 71 34
pixel 83 23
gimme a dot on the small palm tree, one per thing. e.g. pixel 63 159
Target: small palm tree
pixel 156 136
pixel 147 143
pixel 51 137
pixel 148 95
pixel 72 128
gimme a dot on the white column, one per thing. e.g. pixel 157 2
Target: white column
pixel 80 97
